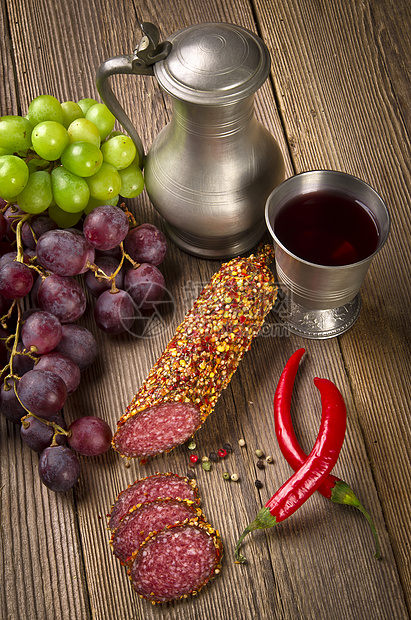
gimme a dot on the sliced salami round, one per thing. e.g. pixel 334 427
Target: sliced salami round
pixel 157 429
pixel 176 562
pixel 158 486
pixel 146 518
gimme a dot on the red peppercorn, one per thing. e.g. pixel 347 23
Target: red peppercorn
pixel 222 453
pixel 194 458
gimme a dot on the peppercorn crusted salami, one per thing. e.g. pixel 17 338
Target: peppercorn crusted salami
pixel 147 518
pixel 184 385
pixel 176 562
pixel 158 486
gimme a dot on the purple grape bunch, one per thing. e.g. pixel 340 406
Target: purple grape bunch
pixel 108 262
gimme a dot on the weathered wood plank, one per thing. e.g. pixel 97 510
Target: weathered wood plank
pixel 320 563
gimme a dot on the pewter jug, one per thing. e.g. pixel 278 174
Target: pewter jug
pixel 211 169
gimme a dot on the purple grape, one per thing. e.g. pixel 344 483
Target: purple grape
pixel 22 363
pixel 41 330
pixel 108 265
pixel 114 313
pixel 10 406
pixel 146 244
pixel 42 392
pixel 105 227
pixel 63 366
pixel 12 216
pixel 38 435
pixel 62 251
pixel 79 344
pixel 38 225
pixel 63 297
pixel 91 255
pixel 59 468
pixel 9 257
pixel 146 285
pixel 16 280
pixel 3 226
pixel 91 436
pixel 114 253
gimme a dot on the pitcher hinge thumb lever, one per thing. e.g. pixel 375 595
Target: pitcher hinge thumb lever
pixel 147 53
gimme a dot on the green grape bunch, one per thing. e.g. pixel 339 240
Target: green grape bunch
pixel 66 159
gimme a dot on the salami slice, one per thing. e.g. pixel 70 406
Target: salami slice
pixel 158 429
pixel 158 486
pixel 176 562
pixel 147 518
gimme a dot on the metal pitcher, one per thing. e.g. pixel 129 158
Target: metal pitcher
pixel 210 171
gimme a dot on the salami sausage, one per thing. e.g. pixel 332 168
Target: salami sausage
pixel 158 486
pixel 145 519
pixel 176 562
pixel 184 385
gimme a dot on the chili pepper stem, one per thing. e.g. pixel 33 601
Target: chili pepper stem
pixel 343 494
pixel 263 519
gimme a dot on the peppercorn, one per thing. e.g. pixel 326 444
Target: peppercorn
pixel 191 474
pixel 241 443
pixel 213 456
pixel 235 477
pixel 227 447
pixel 204 459
pixel 222 453
pixel 192 445
pixel 259 453
pixel 206 465
pixel 269 459
pixel 226 475
pixel 260 464
pixel 258 484
pixel 194 458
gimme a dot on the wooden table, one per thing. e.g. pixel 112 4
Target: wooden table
pixel 337 98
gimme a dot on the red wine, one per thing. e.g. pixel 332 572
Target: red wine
pixel 326 228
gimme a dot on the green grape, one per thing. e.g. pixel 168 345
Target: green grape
pixel 93 203
pixel 49 140
pixel 86 103
pixel 115 133
pixel 132 181
pixel 82 158
pixel 45 108
pixel 119 151
pixel 14 174
pixel 70 191
pixel 71 111
pixel 37 195
pixel 64 219
pixel 15 133
pixel 100 115
pixel 105 184
pixel 83 130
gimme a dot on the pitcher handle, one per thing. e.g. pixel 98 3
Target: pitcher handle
pixel 148 52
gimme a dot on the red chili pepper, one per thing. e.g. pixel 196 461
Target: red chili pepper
pixel 306 480
pixel 333 488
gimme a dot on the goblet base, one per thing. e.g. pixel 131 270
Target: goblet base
pixel 317 324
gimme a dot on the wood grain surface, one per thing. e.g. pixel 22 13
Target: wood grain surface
pixel 337 98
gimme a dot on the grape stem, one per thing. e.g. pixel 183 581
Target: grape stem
pixel 20 250
pixel 58 430
pixel 101 275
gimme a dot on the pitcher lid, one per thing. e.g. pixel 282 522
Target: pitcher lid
pixel 213 63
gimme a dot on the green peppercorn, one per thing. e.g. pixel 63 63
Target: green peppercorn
pixel 206 465
pixel 259 453
pixel 192 445
pixel 226 475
